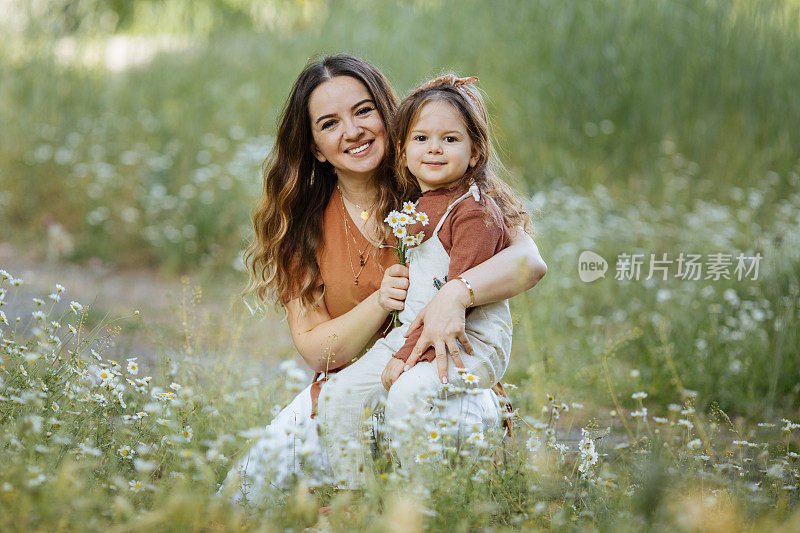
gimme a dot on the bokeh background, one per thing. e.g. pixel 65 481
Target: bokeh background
pixel 133 134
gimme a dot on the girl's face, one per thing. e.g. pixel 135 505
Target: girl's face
pixel 348 131
pixel 438 150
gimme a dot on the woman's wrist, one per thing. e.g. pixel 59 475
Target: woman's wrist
pixel 374 301
pixel 457 290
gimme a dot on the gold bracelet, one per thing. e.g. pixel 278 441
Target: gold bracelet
pixel 469 288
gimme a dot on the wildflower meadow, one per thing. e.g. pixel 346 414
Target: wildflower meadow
pixel 654 382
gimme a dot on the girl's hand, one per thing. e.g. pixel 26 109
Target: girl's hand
pixel 442 322
pixel 392 371
pixel 392 294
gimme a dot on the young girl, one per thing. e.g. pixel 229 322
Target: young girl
pixel 444 149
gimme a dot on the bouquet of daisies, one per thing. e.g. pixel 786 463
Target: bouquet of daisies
pixel 399 221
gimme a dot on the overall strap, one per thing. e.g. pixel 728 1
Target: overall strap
pixel 473 191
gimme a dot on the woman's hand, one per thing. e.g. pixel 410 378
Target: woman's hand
pixel 392 294
pixel 392 371
pixel 442 322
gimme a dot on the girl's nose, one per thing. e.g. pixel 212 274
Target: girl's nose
pixel 434 148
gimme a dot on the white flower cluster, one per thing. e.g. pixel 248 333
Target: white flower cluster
pixel 589 456
pixel 399 220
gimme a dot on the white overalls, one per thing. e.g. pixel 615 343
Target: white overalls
pixel 354 393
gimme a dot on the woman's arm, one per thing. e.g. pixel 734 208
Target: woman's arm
pixel 327 343
pixel 508 273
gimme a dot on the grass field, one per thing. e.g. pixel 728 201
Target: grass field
pixel 648 127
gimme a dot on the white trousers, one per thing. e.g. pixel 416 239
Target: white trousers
pixel 289 446
pixel 352 395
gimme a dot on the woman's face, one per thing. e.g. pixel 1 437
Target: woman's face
pixel 348 131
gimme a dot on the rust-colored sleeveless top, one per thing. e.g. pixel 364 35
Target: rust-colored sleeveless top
pixel 339 261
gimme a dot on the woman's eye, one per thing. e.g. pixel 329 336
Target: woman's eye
pixel 327 124
pixel 364 110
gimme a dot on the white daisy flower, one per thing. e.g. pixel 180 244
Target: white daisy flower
pixel 477 437
pixel 392 219
pixel 38 302
pixel 133 367
pixel 174 386
pixel 60 288
pixel 404 219
pixel 187 433
pixel 54 296
pixel 16 282
pixel 410 208
pixel 422 218
pixel 639 395
pixel 75 307
pixel 136 486
pixel 4 275
pixel 399 231
pixel 125 451
pixel 3 318
pixel 408 240
pixel 470 378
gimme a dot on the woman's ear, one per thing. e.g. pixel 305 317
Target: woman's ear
pixel 314 150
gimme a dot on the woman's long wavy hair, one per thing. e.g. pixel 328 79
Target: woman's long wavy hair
pixel 468 101
pixel 287 218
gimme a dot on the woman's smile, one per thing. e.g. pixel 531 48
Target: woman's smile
pixel 359 150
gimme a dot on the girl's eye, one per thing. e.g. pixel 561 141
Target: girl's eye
pixel 327 124
pixel 364 110
pixel 450 139
pixel 420 138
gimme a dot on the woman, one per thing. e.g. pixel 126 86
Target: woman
pixel 319 250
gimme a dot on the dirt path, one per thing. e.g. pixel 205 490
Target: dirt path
pixel 164 303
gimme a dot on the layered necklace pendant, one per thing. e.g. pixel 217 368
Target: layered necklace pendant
pixel 349 235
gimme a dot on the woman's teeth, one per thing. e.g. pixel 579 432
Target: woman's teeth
pixel 359 149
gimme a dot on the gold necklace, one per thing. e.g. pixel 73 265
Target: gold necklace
pixel 348 236
pixel 364 212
